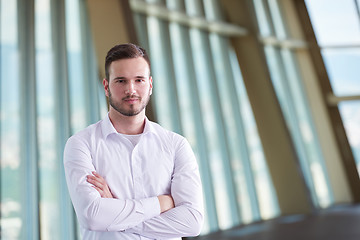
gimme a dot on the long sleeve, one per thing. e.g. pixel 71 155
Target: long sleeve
pixel 96 213
pixel 186 218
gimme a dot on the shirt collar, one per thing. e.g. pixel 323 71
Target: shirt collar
pixel 149 127
pixel 108 128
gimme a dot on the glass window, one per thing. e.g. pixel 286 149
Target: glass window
pixel 290 92
pixel 342 65
pixel 48 163
pixel 276 19
pixel 12 221
pixel 75 67
pixel 350 113
pixel 335 22
pixel 255 171
pixel 214 129
pixel 198 71
pixel 262 16
pixel 189 101
pixel 35 172
pixel 337 28
pixel 218 154
pixel 164 92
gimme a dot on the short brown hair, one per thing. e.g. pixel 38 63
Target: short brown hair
pixel 124 51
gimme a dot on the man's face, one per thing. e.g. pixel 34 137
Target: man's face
pixel 129 85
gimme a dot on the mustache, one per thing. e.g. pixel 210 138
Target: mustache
pixel 131 97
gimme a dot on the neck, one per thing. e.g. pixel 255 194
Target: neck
pixel 129 125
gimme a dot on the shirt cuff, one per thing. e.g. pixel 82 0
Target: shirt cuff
pixel 151 207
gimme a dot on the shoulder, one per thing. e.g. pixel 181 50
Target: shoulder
pixel 86 135
pixel 166 134
pixel 169 138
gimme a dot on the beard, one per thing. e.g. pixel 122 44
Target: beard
pixel 130 110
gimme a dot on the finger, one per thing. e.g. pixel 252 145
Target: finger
pixel 99 178
pixel 96 175
pixel 103 194
pixel 100 191
pixel 94 181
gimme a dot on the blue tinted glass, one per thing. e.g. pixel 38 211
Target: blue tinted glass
pixel 350 113
pixel 290 93
pixel 12 208
pixel 343 67
pixel 48 162
pixel 266 199
pixel 211 113
pixel 335 22
pixel 75 67
pixel 262 17
pixel 277 19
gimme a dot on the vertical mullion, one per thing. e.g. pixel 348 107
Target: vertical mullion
pixel 266 27
pixel 89 67
pixel 189 97
pixel 226 83
pixel 238 149
pixel 269 17
pixel 291 116
pixel 29 151
pixel 140 22
pixel 283 93
pixel 1 195
pixel 201 137
pixel 1 198
pixel 296 90
pixel 357 6
pixel 211 14
pixel 142 30
pixel 164 84
pixel 190 105
pixel 218 156
pixel 218 118
pixel 297 104
pixel 67 221
pixel 277 19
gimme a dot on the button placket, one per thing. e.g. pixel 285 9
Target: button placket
pixel 137 174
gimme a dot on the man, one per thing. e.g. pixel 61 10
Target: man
pixel 129 178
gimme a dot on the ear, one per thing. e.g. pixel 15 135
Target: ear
pixel 151 84
pixel 106 86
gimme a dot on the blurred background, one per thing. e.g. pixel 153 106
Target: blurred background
pixel 266 91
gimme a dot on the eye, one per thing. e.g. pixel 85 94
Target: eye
pixel 139 80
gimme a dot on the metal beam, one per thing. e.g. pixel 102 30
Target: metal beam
pixel 348 161
pixel 293 195
pixel 284 43
pixel 334 100
pixel 29 141
pixel 67 222
pixel 161 12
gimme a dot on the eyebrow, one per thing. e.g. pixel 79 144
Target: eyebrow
pixel 119 78
pixel 140 77
pixel 124 78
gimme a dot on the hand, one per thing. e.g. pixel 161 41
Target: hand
pixel 99 184
pixel 166 203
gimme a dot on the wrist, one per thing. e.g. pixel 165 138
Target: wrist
pixel 166 203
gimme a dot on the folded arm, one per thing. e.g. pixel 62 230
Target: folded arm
pixel 94 212
pixel 186 218
pixel 99 183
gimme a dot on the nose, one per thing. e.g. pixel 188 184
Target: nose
pixel 130 89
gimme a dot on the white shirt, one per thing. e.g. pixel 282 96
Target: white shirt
pixel 162 162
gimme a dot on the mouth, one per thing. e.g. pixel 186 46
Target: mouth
pixel 131 100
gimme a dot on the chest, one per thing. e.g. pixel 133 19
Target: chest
pixel 134 172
